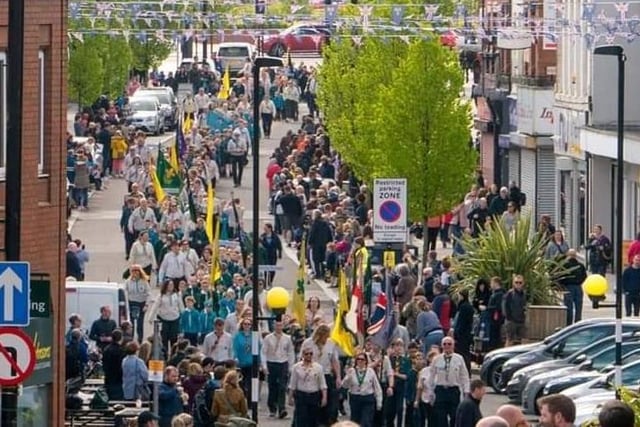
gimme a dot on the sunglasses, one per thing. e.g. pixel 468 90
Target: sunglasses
pixel 447 344
pixel 308 353
pixel 361 359
pixel 518 283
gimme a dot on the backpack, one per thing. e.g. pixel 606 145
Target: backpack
pixel 202 405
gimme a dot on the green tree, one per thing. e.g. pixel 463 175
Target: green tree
pixel 117 60
pixel 86 71
pixel 150 53
pixel 423 128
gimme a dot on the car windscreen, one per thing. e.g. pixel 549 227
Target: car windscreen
pixel 233 51
pixel 161 96
pixel 142 105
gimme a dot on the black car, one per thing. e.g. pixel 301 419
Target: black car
pixel 499 365
pixel 519 380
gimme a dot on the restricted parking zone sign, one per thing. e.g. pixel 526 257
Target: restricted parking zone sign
pixel 390 210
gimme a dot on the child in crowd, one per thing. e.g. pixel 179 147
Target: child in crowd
pixel 190 321
pixel 331 264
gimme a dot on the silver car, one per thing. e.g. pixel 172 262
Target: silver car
pixel 146 115
pixel 168 103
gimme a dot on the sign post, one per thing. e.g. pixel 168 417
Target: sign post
pixel 14 293
pixel 17 356
pixel 390 210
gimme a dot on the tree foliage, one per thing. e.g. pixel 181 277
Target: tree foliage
pixel 117 60
pixel 86 72
pixel 394 111
pixel 150 53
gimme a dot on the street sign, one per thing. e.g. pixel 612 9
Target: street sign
pixel 15 291
pixel 156 371
pixel 390 210
pixel 17 356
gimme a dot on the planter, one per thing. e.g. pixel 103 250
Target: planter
pixel 543 320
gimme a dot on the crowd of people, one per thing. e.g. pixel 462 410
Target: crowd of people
pixel 420 376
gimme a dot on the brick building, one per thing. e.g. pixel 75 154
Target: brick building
pixel 43 183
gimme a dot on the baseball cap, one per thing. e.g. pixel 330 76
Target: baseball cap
pixel 145 417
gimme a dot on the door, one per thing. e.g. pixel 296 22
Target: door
pixel 514 165
pixel 546 183
pixel 528 182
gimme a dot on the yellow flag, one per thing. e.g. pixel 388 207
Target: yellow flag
pixel 225 89
pixel 187 124
pixel 340 335
pixel 211 194
pixel 298 305
pixel 173 158
pixel 157 187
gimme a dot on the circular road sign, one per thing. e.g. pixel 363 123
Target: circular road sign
pixel 17 356
pixel 390 211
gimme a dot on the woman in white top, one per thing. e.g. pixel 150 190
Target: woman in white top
pixel 167 308
pixel 425 396
pixel 142 254
pixel 365 393
pixel 138 289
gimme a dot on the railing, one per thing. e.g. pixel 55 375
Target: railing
pixel 536 81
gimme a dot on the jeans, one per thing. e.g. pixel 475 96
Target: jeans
pixel 277 380
pixel 632 300
pixel 318 255
pixel 432 237
pixel 237 166
pixel 311 103
pixel 600 269
pixel 307 409
pixel 433 338
pixel 267 120
pixel 81 196
pixel 573 302
pixel 137 318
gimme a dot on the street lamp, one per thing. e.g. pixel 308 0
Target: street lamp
pixel 258 63
pixel 278 301
pixel 618 52
pixel 595 286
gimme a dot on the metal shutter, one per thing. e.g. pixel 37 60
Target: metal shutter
pixel 545 200
pixel 514 165
pixel 528 182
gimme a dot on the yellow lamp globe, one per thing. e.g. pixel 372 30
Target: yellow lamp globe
pixel 278 298
pixel 595 285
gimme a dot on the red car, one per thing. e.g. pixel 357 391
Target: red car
pixel 301 38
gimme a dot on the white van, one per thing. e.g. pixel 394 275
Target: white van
pixel 86 298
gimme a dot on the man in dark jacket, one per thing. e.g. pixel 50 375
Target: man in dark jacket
pixel 112 364
pixel 478 217
pixel 572 283
pixel 495 314
pixel 499 204
pixel 463 328
pixel 73 263
pixel 169 397
pixel 272 248
pixel 514 308
pixel 291 212
pixel 468 412
pixel 102 328
pixel 631 287
pixel 319 235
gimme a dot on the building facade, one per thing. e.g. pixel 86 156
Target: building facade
pixel 43 185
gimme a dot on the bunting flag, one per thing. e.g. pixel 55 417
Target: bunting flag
pixel 166 175
pixel 157 186
pixel 339 334
pixel 383 336
pixel 298 307
pixel 225 88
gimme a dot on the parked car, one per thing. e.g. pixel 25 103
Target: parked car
pixel 499 365
pixel 168 103
pixel 299 38
pixel 603 386
pixel 519 380
pixel 145 114
pixel 235 56
pixel 534 388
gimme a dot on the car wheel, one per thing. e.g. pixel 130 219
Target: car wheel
pixel 278 50
pixel 495 376
pixel 540 393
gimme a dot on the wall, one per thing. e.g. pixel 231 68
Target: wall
pixel 605 81
pixel 43 232
pixel 600 191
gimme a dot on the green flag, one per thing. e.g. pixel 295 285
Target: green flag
pixel 168 177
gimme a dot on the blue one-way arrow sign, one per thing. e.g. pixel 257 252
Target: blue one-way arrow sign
pixel 14 293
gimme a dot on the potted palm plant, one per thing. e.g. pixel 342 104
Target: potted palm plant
pixel 503 251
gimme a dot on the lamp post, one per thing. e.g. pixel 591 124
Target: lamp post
pixel 277 301
pixel 618 52
pixel 259 62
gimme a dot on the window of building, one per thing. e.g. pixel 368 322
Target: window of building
pixel 41 110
